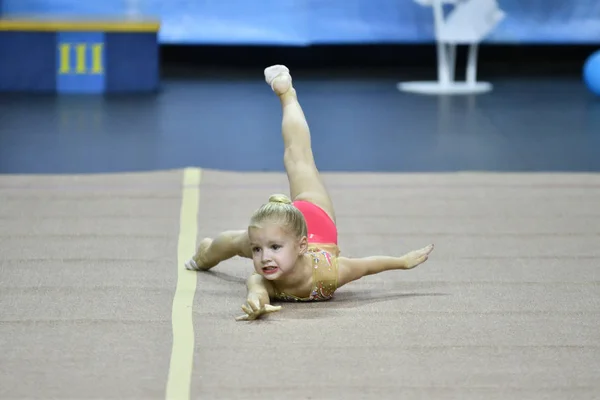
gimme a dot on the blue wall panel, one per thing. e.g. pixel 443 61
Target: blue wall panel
pixel 24 60
pixel 134 62
pixel 80 62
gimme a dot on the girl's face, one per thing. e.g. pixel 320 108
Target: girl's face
pixel 275 250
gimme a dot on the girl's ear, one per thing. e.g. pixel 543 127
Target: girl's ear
pixel 303 245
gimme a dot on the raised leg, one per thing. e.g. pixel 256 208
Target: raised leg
pixel 303 175
pixel 226 245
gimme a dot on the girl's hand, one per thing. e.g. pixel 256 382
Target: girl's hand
pixel 416 257
pixel 254 309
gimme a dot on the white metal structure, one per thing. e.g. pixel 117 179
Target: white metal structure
pixel 469 22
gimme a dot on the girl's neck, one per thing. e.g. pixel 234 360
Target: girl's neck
pixel 301 273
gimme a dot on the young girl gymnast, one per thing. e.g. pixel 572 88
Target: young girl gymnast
pixel 293 241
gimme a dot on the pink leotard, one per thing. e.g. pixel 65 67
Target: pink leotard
pixel 321 228
pixel 323 250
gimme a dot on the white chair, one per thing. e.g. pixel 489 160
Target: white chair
pixel 469 22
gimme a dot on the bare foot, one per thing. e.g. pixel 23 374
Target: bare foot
pixel 279 78
pixel 198 262
pixel 417 257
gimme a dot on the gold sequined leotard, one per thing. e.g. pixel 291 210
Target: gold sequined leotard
pixel 324 277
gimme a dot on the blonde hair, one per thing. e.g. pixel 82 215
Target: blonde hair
pixel 280 210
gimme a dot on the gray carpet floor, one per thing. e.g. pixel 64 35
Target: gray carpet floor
pixel 507 307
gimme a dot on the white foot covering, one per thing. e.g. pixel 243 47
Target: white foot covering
pixel 191 265
pixel 278 71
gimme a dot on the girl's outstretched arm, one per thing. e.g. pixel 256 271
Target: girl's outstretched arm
pixel 258 300
pixel 351 269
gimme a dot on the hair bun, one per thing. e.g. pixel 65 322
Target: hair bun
pixel 280 198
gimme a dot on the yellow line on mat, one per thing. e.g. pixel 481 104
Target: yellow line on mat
pixel 182 353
